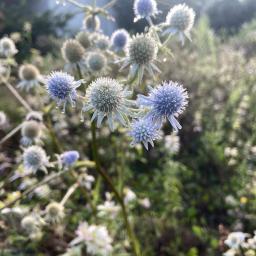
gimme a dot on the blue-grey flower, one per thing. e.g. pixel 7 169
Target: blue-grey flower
pixel 119 39
pixel 180 19
pixel 108 98
pixel 145 9
pixel 144 131
pixel 34 159
pixel 166 101
pixel 62 88
pixel 69 158
pixel 141 53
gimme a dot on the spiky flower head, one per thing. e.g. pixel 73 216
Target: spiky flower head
pixel 119 39
pixel 91 23
pixel 144 9
pixel 54 213
pixel 141 53
pixel 31 131
pixel 35 116
pixel 96 62
pixel 83 38
pixel 107 97
pixel 7 47
pixel 69 158
pixel 30 77
pixel 166 101
pixel 144 131
pixel 103 42
pixel 96 238
pixel 180 19
pixel 62 88
pixel 32 225
pixel 73 53
pixel 34 159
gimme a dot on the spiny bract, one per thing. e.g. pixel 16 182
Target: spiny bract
pixel 167 100
pixel 107 97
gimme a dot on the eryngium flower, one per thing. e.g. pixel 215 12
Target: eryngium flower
pixel 144 131
pixel 107 97
pixel 7 47
pixel 119 39
pixel 91 23
pixel 30 77
pixel 54 213
pixel 73 53
pixel 96 62
pixel 68 158
pixel 30 131
pixel 141 54
pixel 96 238
pixel 34 158
pixel 84 39
pixel 167 100
pixel 62 88
pixel 102 42
pixel 180 19
pixel 32 225
pixel 144 9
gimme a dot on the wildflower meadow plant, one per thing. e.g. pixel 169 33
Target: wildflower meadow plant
pixel 111 100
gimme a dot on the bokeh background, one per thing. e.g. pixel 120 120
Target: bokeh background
pixel 206 187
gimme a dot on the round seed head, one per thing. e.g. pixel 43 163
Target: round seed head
pixel 102 42
pixel 28 72
pixel 142 50
pixel 7 47
pixel 29 224
pixel 181 17
pixel 68 158
pixel 91 23
pixel 72 51
pixel 54 212
pixel 145 8
pixel 83 38
pixel 31 129
pixel 96 62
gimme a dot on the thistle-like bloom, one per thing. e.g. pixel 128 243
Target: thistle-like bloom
pixel 108 98
pixel 119 39
pixel 31 132
pixel 83 38
pixel 141 53
pixel 62 88
pixel 7 48
pixel 180 19
pixel 73 53
pixel 145 9
pixel 54 213
pixel 32 225
pixel 91 23
pixel 144 131
pixel 96 238
pixel 69 158
pixel 34 159
pixel 167 100
pixel 96 63
pixel 102 42
pixel 30 77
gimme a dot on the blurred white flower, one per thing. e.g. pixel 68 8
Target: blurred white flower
pixel 172 143
pixel 235 239
pixel 145 202
pixel 108 209
pixel 129 195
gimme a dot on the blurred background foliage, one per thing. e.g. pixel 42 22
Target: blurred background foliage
pixel 206 189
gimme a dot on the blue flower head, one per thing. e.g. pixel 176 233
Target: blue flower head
pixel 144 9
pixel 167 100
pixel 119 39
pixel 68 158
pixel 144 131
pixel 62 88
